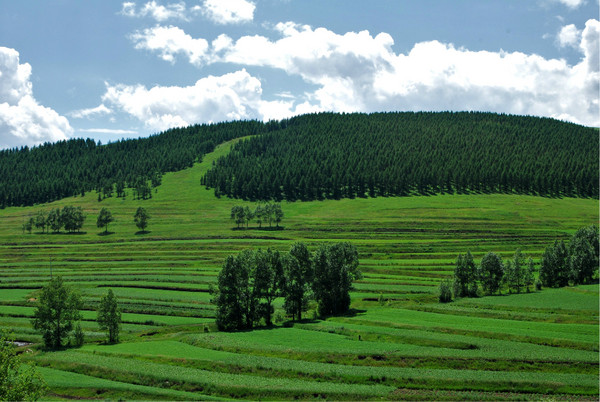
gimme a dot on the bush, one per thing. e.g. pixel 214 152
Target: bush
pixel 538 285
pixel 445 291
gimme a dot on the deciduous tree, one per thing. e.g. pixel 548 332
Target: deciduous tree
pixel 109 316
pixel 57 311
pixel 104 219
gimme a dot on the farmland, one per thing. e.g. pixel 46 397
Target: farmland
pixel 397 343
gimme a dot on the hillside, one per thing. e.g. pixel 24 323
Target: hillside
pixel 332 156
pixel 410 347
pixel 323 156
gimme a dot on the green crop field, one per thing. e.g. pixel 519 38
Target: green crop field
pixel 397 343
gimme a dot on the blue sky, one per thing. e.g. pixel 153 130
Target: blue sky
pixel 119 69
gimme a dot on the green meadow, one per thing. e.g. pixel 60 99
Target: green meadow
pixel 397 343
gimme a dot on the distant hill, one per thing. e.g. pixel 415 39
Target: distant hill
pixel 325 155
pixel 53 171
pixel 331 155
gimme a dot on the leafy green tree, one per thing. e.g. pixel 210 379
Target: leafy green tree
pixel 298 276
pixel 277 213
pixel 335 267
pixel 517 278
pixel 529 278
pixel 109 316
pixel 491 272
pixel 40 221
pixel 104 219
pixel 141 218
pixel 57 310
pixel 248 215
pixel 268 281
pixel 72 218
pixel 238 215
pixel 259 214
pixel 465 276
pixel 229 297
pixel 555 268
pixel 17 383
pixel 583 250
pixel 28 225
pixel 78 336
pixel 445 291
pixel 54 221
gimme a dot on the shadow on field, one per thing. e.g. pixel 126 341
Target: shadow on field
pixel 142 232
pixel 263 229
pixel 61 233
pixel 105 233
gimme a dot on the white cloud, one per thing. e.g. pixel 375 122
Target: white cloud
pixel 361 72
pixel 22 120
pixel 91 112
pixel 231 96
pixel 228 11
pixel 569 35
pixel 573 4
pixel 170 41
pixel 156 11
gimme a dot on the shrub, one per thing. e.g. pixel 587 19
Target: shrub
pixel 445 291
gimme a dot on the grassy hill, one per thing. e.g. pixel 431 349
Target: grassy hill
pixel 399 343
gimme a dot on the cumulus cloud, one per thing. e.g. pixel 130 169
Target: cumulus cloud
pixel 569 35
pixel 91 112
pixel 573 4
pixel 170 41
pixel 156 11
pixel 357 71
pixel 22 120
pixel 228 11
pixel 231 96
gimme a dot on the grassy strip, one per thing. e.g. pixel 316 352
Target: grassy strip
pixel 232 385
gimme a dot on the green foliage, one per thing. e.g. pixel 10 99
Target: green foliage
pixel 40 221
pixel 17 383
pixel 324 155
pixel 529 275
pixel 583 252
pixel 141 218
pixel 78 336
pixel 554 271
pixel 72 218
pixel 57 310
pixel 268 212
pixel 491 272
pixel 298 274
pixel 104 219
pixel 109 316
pixel 335 267
pixel 465 276
pixel 445 291
pixel 53 220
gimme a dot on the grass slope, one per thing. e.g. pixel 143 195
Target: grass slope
pixel 406 346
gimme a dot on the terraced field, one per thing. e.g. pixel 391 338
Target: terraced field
pixel 398 343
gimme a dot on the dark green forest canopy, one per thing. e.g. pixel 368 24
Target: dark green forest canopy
pixel 331 155
pixel 66 168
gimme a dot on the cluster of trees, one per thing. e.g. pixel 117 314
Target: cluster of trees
pixel 575 264
pixel 54 171
pixel 57 315
pixel 263 212
pixel 560 266
pixel 70 218
pixel 335 156
pixel 249 283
